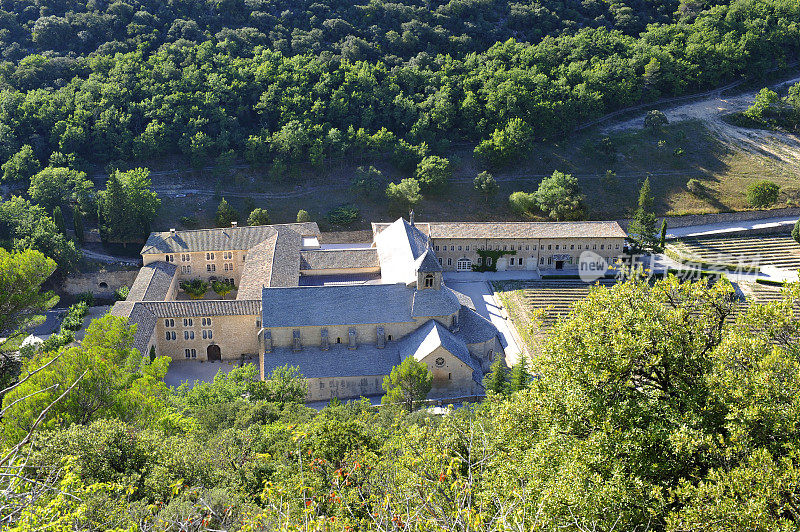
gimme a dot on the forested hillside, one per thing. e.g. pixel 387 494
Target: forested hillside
pixel 301 87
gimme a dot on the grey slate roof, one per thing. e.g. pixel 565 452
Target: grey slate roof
pixel 274 262
pixel 152 282
pixel 338 361
pixel 339 259
pixel 228 307
pixel 598 229
pixel 336 305
pixel 144 319
pixel 474 328
pixel 225 238
pixel 399 246
pixel 427 262
pixel 430 336
pixel 431 302
pixel 464 299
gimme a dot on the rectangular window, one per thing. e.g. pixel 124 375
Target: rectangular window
pixel 258 324
pixel 166 323
pixel 449 262
pixel 556 247
pixel 480 261
pixel 542 246
pixel 168 335
pixel 440 261
pixel 488 261
pixel 467 249
pixel 549 246
pixel 617 246
pixel 572 246
pixel 527 247
pixel 504 247
pixel 174 335
pixel 511 261
pixel 194 353
pixel 207 335
pixel 452 248
pixel 188 353
pixel 541 260
pixel 436 248
pixel 602 246
pixel 185 335
pixel 188 322
pixel 594 246
pixel 459 248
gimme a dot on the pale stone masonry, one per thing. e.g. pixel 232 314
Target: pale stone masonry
pixel 345 315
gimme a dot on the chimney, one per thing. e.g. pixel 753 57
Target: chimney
pixel 234 224
pixel 172 231
pixel 411 217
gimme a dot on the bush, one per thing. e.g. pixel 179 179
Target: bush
pixel 655 120
pixel 121 293
pixel 486 184
pixel 343 215
pixel 196 288
pixel 303 216
pixel 523 203
pixel 506 145
pixel 763 193
pixel 366 181
pixel 695 187
pixel 189 222
pixel 73 321
pixel 258 216
pixel 796 231
pixel 404 194
pixel 222 288
pixel 434 173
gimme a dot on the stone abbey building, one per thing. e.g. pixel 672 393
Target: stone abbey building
pixel 344 314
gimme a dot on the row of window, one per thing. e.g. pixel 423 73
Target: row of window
pixel 189 335
pixel 187 322
pixel 190 353
pixel 346 384
pixel 527 247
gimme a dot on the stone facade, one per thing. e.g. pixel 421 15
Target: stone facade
pixel 365 310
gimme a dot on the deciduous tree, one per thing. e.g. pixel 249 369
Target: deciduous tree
pixel 408 383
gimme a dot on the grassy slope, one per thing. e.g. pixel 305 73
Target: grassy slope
pixel 725 173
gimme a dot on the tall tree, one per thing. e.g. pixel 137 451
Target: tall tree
pixel 496 379
pixel 642 229
pixel 408 383
pixel 58 219
pixel 519 378
pixel 225 214
pixel 559 196
pixel 21 166
pixel 60 186
pixel 258 216
pixel 77 224
pixel 434 173
pixel 127 206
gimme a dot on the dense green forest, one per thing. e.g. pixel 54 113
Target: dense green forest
pixel 662 406
pixel 221 90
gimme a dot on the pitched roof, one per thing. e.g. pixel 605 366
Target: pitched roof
pixel 152 282
pixel 338 361
pixel 219 239
pixel 432 302
pixel 257 268
pixel 432 335
pixel 464 299
pixel 144 319
pixel 594 229
pixel 336 305
pixel 227 307
pixel 474 328
pixel 427 262
pixel 339 259
pixel 399 245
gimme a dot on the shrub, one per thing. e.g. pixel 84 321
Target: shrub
pixel 343 215
pixel 796 231
pixel 303 216
pixel 506 145
pixel 366 181
pixel 486 184
pixel 434 173
pixel 222 288
pixel 258 216
pixel 121 293
pixel 73 321
pixel 196 288
pixel 695 187
pixel 523 203
pixel 655 120
pixel 763 193
pixel 405 193
pixel 188 222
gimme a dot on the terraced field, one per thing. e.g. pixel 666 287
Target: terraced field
pixel 778 251
pixel 553 297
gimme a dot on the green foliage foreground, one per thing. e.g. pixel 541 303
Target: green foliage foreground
pixel 662 406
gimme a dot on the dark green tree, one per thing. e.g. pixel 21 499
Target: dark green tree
pixel 58 219
pixel 225 214
pixel 642 229
pixel 497 378
pixel 519 378
pixel 407 384
pixel 258 216
pixel 21 166
pixel 127 206
pixel 486 184
pixel 662 242
pixel 559 196
pixel 796 231
pixel 434 173
pixel 655 120
pixel 77 224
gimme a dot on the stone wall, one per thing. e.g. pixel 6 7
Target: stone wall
pixel 102 284
pixel 724 217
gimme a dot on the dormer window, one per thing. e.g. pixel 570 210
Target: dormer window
pixel 429 281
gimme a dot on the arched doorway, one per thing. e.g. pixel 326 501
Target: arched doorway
pixel 213 353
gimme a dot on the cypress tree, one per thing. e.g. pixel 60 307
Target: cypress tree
pixel 58 218
pixel 663 241
pixel 519 378
pixel 642 228
pixel 495 380
pixel 77 224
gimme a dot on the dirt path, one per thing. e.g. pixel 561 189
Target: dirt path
pixel 779 147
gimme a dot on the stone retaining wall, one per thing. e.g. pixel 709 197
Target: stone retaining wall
pixel 102 284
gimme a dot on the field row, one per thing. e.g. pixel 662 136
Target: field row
pixel 778 251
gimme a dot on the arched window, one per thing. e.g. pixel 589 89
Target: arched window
pixel 429 281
